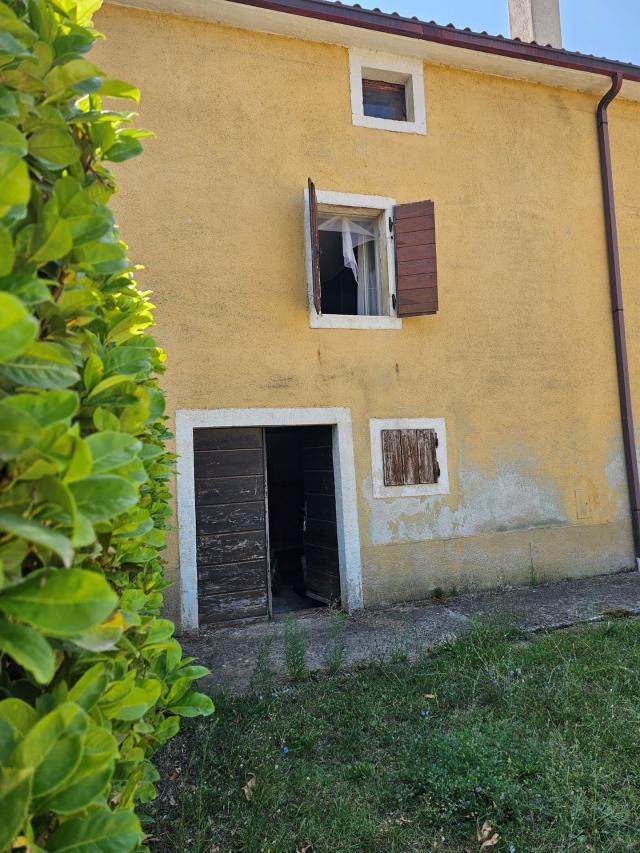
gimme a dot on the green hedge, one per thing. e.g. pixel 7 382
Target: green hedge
pixel 91 681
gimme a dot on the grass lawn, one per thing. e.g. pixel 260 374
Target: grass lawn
pixel 541 736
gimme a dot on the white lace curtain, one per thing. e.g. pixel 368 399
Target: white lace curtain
pixel 360 234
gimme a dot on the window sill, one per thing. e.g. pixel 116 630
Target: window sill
pixel 347 321
pixel 361 120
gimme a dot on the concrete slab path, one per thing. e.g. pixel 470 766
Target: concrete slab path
pixel 231 652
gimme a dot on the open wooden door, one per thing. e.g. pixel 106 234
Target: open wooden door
pixel 231 528
pixel 320 527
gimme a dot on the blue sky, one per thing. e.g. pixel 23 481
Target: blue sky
pixel 608 28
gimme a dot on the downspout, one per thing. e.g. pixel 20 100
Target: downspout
pixel 615 286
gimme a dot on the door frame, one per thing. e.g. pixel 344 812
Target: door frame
pixel 345 485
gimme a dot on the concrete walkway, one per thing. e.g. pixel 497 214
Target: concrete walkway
pixel 231 652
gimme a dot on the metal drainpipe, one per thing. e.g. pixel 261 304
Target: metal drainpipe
pixel 615 286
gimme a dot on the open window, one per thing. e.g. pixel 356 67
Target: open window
pixel 370 262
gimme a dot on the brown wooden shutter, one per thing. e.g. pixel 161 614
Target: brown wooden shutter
pixel 315 246
pixel 409 457
pixel 414 235
pixel 392 457
pixel 428 468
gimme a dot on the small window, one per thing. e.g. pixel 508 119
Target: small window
pixel 384 100
pixel 409 457
pixel 387 92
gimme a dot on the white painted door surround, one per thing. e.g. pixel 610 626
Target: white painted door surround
pixel 345 483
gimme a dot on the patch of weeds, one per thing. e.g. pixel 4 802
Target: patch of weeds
pixel 294 649
pixel 617 613
pixel 337 651
pixel 437 593
pixel 264 676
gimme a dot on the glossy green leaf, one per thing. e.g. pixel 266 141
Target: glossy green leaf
pixel 18 328
pixel 51 239
pixel 103 831
pixel 80 463
pixel 119 89
pixel 140 699
pixel 15 188
pixel 42 365
pixel 37 534
pixel 102 637
pixel 52 748
pixel 99 751
pixel 28 649
pixel 15 26
pixel 30 289
pixel 7 253
pixel 69 74
pixel 110 450
pixel 11 139
pixel 46 409
pixel 104 496
pixel 127 360
pixel 10 47
pixel 18 430
pixel 54 147
pixel 61 602
pixel 193 704
pixel 15 795
pixel 20 716
pixel 89 687
pixel 8 103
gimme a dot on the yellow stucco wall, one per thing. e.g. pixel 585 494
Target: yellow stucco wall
pixel 519 360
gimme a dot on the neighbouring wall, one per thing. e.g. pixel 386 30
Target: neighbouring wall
pixel 519 359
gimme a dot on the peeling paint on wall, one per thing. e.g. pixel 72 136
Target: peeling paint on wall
pixel 507 500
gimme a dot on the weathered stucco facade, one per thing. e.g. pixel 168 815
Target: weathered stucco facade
pixel 519 360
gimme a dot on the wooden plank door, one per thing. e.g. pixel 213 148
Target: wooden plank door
pixel 231 523
pixel 320 528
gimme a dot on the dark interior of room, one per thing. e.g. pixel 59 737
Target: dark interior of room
pixel 285 478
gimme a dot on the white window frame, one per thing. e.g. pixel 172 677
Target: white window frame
pixel 376 427
pixel 345 486
pixel 373 65
pixel 386 262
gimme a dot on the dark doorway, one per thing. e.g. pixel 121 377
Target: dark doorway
pixel 303 546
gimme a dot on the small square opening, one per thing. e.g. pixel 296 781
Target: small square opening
pixel 381 99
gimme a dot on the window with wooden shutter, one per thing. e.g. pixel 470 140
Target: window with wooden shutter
pixel 350 262
pixel 409 457
pixel 415 246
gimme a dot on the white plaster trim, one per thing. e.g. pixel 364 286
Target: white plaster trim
pixel 345 482
pixel 376 426
pixel 386 261
pixel 393 69
pixel 348 321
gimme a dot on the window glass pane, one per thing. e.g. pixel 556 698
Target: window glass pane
pixel 384 100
